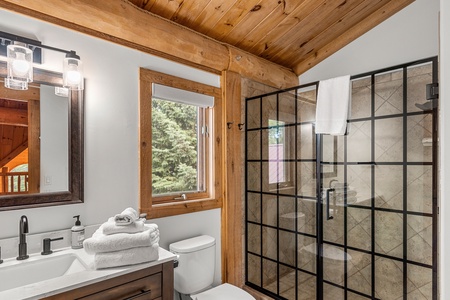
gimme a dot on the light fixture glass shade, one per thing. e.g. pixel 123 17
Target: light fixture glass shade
pixel 61 91
pixel 19 66
pixel 16 84
pixel 73 78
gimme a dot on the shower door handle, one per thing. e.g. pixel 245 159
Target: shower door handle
pixel 328 204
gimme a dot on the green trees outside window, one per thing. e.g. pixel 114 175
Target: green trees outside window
pixel 175 140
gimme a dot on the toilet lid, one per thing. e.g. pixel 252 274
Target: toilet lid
pixel 224 291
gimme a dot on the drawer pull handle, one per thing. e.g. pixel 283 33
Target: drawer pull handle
pixel 143 293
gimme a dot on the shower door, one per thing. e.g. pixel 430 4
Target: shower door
pixel 365 202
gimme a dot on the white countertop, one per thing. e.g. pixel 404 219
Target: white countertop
pixel 68 282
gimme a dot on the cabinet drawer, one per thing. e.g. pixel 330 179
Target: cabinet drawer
pixel 145 288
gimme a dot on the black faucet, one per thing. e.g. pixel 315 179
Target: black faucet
pixel 23 230
pixel 46 245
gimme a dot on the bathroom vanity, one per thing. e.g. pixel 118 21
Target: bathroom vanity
pixel 153 280
pixel 150 283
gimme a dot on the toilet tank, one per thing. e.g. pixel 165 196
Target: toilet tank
pixel 196 260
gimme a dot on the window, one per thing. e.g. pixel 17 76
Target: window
pixel 280 170
pixel 178 148
pixel 179 132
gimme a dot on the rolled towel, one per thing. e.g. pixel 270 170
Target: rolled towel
pixel 100 242
pixel 126 257
pixel 128 216
pixel 110 227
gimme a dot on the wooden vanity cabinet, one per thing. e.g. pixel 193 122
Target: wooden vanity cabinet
pixel 152 283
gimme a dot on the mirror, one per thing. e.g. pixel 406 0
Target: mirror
pixel 42 160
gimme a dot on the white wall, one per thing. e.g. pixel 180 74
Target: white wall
pixel 111 133
pixel 191 225
pixel 444 57
pixel 409 35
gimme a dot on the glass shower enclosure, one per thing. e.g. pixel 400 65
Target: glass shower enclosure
pixel 347 217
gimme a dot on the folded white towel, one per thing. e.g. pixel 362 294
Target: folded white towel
pixel 333 99
pixel 110 227
pixel 128 216
pixel 100 242
pixel 126 257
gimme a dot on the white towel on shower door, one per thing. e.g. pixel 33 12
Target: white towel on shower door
pixel 333 98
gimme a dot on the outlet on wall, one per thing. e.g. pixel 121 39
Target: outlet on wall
pixel 48 180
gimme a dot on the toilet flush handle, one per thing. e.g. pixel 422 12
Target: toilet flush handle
pixel 176 262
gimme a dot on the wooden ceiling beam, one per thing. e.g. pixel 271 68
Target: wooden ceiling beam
pixel 33 93
pixel 13 117
pixel 350 35
pixel 123 23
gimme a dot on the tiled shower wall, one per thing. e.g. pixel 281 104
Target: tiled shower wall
pixel 372 162
pixel 249 88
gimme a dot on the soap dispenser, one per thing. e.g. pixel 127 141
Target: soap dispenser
pixel 77 234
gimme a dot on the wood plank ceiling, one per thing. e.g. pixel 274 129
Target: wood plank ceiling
pixel 296 34
pixel 13 129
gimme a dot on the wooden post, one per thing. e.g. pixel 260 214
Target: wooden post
pixel 232 211
pixel 4 181
pixel 34 149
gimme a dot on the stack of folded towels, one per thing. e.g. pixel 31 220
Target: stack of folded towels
pixel 124 239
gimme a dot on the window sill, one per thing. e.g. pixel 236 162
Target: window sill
pixel 181 207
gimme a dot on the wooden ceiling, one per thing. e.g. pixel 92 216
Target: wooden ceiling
pixel 13 129
pixel 296 34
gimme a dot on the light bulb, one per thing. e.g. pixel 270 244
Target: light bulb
pixel 73 77
pixel 20 65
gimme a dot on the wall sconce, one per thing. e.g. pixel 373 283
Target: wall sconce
pixel 73 72
pixel 20 66
pixel 20 63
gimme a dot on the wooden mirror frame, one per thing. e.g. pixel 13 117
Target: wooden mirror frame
pixel 75 194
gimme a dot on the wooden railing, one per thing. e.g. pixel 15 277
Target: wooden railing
pixel 13 182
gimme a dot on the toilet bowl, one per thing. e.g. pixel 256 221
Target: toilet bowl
pixel 195 271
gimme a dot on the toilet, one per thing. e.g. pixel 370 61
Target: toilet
pixel 195 272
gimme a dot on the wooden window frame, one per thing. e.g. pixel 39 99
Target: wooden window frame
pixel 166 205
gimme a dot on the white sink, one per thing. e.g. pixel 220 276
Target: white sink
pixel 15 274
